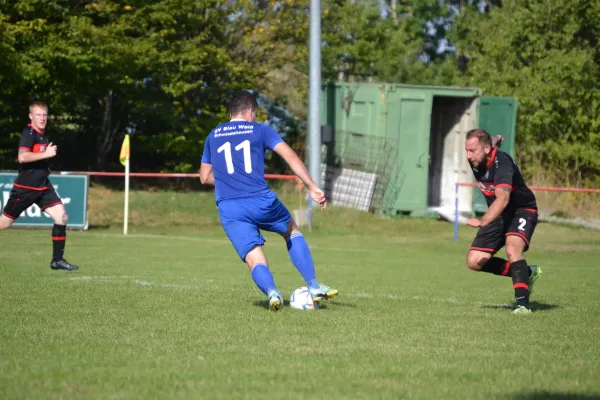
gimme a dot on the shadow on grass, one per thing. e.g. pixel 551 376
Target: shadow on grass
pixel 323 306
pixel 98 226
pixel 545 395
pixel 535 306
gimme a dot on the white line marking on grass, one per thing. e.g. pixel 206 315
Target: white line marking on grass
pixel 154 236
pixel 95 278
pixel 144 283
pixel 175 286
pixel 91 277
pixel 217 241
pixel 124 278
pixel 84 278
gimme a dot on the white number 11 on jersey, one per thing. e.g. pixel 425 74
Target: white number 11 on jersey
pixel 245 145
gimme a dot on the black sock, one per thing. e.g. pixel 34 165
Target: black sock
pixel 520 278
pixel 497 266
pixel 59 237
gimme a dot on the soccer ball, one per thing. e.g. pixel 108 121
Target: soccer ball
pixel 302 300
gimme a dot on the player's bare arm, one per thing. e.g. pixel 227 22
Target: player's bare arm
pixel 297 166
pixel 207 176
pixel 502 200
pixel 26 156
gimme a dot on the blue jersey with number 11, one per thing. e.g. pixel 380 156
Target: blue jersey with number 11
pixel 236 150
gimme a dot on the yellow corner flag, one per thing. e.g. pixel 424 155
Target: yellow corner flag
pixel 124 150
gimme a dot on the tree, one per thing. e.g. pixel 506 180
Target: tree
pixel 163 69
pixel 546 55
pixel 10 88
pixel 397 44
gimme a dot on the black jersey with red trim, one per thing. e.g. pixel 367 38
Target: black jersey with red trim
pixel 501 170
pixel 33 175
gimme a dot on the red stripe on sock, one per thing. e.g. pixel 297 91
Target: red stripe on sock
pixel 59 238
pixel 506 269
pixel 521 285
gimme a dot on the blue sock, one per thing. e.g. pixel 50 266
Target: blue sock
pixel 302 259
pixel 263 278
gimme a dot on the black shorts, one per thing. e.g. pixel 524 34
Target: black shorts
pixel 21 199
pixel 520 223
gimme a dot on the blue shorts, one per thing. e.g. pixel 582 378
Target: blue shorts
pixel 242 220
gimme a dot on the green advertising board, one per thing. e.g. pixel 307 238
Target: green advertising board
pixel 72 189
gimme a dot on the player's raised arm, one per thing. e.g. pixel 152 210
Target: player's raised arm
pixel 292 159
pixel 27 156
pixel 297 166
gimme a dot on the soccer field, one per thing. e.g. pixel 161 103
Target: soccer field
pixel 171 313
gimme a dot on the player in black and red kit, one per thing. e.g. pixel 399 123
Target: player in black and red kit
pixel 32 185
pixel 510 219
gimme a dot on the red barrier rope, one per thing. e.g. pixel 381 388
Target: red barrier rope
pixel 162 175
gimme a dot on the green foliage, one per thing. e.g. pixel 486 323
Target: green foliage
pixel 360 43
pixel 163 69
pixel 546 55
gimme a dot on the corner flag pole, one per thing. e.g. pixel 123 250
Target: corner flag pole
pixel 126 211
pixel 124 158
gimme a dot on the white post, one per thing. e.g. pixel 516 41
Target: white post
pixel 126 211
pixel 314 100
pixel 314 94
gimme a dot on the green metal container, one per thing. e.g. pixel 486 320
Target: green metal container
pixel 498 116
pixel 428 126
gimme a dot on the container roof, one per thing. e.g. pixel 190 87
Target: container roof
pixel 447 91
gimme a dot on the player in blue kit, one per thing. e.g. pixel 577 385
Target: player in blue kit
pixel 233 160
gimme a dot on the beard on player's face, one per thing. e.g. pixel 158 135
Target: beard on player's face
pixel 478 160
pixel 478 163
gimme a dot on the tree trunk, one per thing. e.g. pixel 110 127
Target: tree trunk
pixel 107 132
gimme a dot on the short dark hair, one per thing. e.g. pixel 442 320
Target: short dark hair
pixel 483 136
pixel 242 101
pixel 39 104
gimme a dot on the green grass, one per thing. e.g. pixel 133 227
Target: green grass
pixel 170 312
